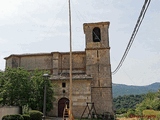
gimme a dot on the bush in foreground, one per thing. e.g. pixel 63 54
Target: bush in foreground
pixel 13 117
pixel 26 117
pixel 35 115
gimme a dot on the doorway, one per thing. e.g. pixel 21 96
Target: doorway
pixel 61 105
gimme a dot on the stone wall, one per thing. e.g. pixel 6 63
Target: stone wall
pixel 56 62
pixel 88 27
pixel 102 99
pixel 98 66
pixel 30 61
pixel 8 110
pixel 36 62
pixel 9 63
pixel 80 95
pixel 61 62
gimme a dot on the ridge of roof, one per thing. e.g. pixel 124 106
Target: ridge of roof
pixel 39 54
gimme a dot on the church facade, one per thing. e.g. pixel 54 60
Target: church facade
pixel 92 80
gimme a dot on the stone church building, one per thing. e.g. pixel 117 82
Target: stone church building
pixel 92 80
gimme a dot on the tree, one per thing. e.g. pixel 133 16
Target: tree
pixel 130 113
pixel 15 87
pixel 151 101
pixel 1 84
pixel 37 92
pixel 157 101
pixel 126 102
pixel 20 87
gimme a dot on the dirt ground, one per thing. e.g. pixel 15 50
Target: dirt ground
pixel 127 119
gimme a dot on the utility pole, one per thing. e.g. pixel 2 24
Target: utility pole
pixel 70 30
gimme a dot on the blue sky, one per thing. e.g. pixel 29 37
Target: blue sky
pixel 38 26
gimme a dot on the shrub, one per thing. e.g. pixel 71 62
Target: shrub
pixel 130 113
pixel 26 117
pixel 35 115
pixel 13 117
pixel 151 113
pixel 158 116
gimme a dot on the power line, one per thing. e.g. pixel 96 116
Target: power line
pixel 135 31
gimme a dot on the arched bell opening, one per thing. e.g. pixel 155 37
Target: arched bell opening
pixel 96 34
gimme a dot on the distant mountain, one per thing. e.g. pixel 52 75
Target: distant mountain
pixel 121 89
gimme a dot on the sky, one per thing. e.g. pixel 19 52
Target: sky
pixel 41 26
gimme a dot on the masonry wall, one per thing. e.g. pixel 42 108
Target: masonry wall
pixel 102 100
pixel 81 95
pixel 36 62
pixel 56 62
pixel 98 66
pixel 8 110
pixel 61 62
pixel 9 62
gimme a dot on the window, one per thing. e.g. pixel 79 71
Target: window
pixel 63 84
pixel 96 34
pixel 64 91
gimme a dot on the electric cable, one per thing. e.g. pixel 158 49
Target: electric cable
pixel 134 33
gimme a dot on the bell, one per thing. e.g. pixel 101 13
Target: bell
pixel 96 39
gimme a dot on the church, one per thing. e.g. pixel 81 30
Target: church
pixel 91 72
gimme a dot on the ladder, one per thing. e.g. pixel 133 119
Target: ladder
pixel 67 115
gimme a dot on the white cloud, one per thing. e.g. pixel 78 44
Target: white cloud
pixel 8 8
pixel 35 11
pixel 3 41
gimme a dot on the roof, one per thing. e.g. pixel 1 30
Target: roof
pixel 27 54
pixel 41 54
pixel 74 77
pixel 98 23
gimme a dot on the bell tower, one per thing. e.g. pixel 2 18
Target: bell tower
pixel 98 65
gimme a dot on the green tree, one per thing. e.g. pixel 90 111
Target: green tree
pixel 15 87
pixel 130 113
pixel 126 102
pixel 37 92
pixel 157 101
pixel 151 101
pixel 22 88
pixel 1 84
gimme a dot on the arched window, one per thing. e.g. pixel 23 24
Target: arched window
pixel 96 34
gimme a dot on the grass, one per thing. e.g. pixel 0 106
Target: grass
pixel 152 114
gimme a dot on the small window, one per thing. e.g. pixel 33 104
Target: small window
pixel 63 84
pixel 64 91
pixel 96 34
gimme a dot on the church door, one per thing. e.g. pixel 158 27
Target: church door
pixel 61 105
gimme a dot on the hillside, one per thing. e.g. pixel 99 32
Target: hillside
pixel 121 89
pixel 123 103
